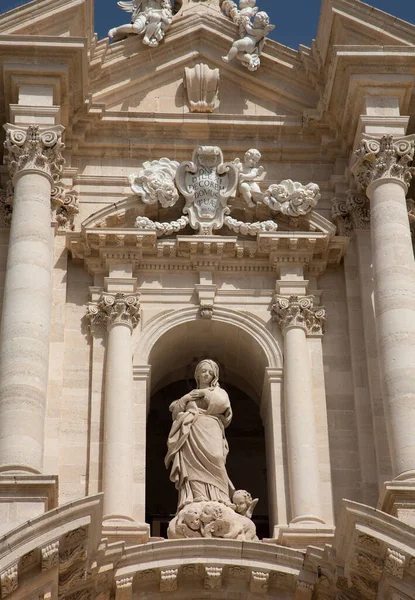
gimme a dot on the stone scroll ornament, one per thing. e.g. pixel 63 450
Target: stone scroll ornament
pixel 149 19
pixel 208 504
pixel 253 27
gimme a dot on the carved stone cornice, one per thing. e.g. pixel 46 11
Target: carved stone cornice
pixel 351 213
pixel 34 149
pixel 114 309
pixel 387 158
pixel 297 311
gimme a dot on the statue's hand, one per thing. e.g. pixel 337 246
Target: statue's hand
pixel 197 394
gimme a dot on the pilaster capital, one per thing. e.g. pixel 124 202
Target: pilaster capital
pixel 299 311
pixel 114 309
pixel 351 213
pixel 34 149
pixel 385 158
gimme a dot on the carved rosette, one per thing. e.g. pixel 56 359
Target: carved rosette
pixel 297 311
pixel 387 158
pixel 114 309
pixel 34 149
pixel 351 213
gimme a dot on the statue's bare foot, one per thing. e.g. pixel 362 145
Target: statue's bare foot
pixel 225 59
pixel 112 33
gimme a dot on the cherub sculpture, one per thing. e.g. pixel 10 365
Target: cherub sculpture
pixel 244 504
pixel 249 48
pixel 249 174
pixel 150 18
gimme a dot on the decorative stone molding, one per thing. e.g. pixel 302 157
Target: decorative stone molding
pixel 297 311
pixel 395 563
pixel 259 582
pixel 304 590
pixel 371 565
pixel 34 149
pixel 368 588
pixel 351 213
pixel 213 578
pixel 253 28
pixel 70 580
pixel 148 20
pixel 154 182
pixel 168 580
pixel 71 557
pixel 113 309
pixel 387 158
pixel 202 85
pixel 50 556
pixel 292 198
pixel 9 580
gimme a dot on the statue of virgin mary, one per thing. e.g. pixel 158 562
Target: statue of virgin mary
pixel 197 446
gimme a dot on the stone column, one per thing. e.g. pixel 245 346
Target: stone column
pixel 382 169
pixel 297 317
pixel 119 313
pixel 34 160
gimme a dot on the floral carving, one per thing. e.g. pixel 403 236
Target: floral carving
pixel 9 581
pixel 213 578
pixel 259 582
pixel 50 556
pixel 114 309
pixel 34 149
pixel 368 588
pixel 297 311
pixel 387 158
pixel 168 580
pixel 155 182
pixel 292 198
pixel 64 207
pixel 6 204
pixel 395 563
pixel 150 18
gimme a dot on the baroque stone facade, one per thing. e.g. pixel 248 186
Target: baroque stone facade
pixel 207 250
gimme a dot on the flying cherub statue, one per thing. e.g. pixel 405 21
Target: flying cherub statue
pixel 150 18
pixel 248 49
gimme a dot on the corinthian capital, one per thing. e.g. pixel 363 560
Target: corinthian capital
pixel 34 148
pixel 113 309
pixel 299 311
pixel 387 158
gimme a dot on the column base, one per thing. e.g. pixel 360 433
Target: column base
pixel 397 498
pixel 129 532
pixel 24 497
pixel 300 535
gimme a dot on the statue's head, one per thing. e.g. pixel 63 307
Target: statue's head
pixel 242 500
pixel 210 512
pixel 261 19
pixel 207 372
pixel 191 516
pixel 252 157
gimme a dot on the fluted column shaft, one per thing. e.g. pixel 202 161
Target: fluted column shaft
pixel 383 168
pixel 119 313
pixel 296 317
pixel 33 157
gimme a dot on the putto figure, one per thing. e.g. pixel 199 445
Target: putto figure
pixel 249 174
pixel 150 18
pixel 249 48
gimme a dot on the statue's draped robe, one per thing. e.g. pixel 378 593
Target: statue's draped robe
pixel 197 448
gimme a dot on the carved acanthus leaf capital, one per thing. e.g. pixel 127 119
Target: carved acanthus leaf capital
pixel 114 309
pixel 350 213
pixel 387 158
pixel 34 148
pixel 299 311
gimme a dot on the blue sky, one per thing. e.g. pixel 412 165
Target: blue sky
pixel 295 21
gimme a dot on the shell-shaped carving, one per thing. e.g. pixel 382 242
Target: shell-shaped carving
pixel 202 84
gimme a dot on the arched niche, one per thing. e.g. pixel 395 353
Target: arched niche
pixel 245 348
